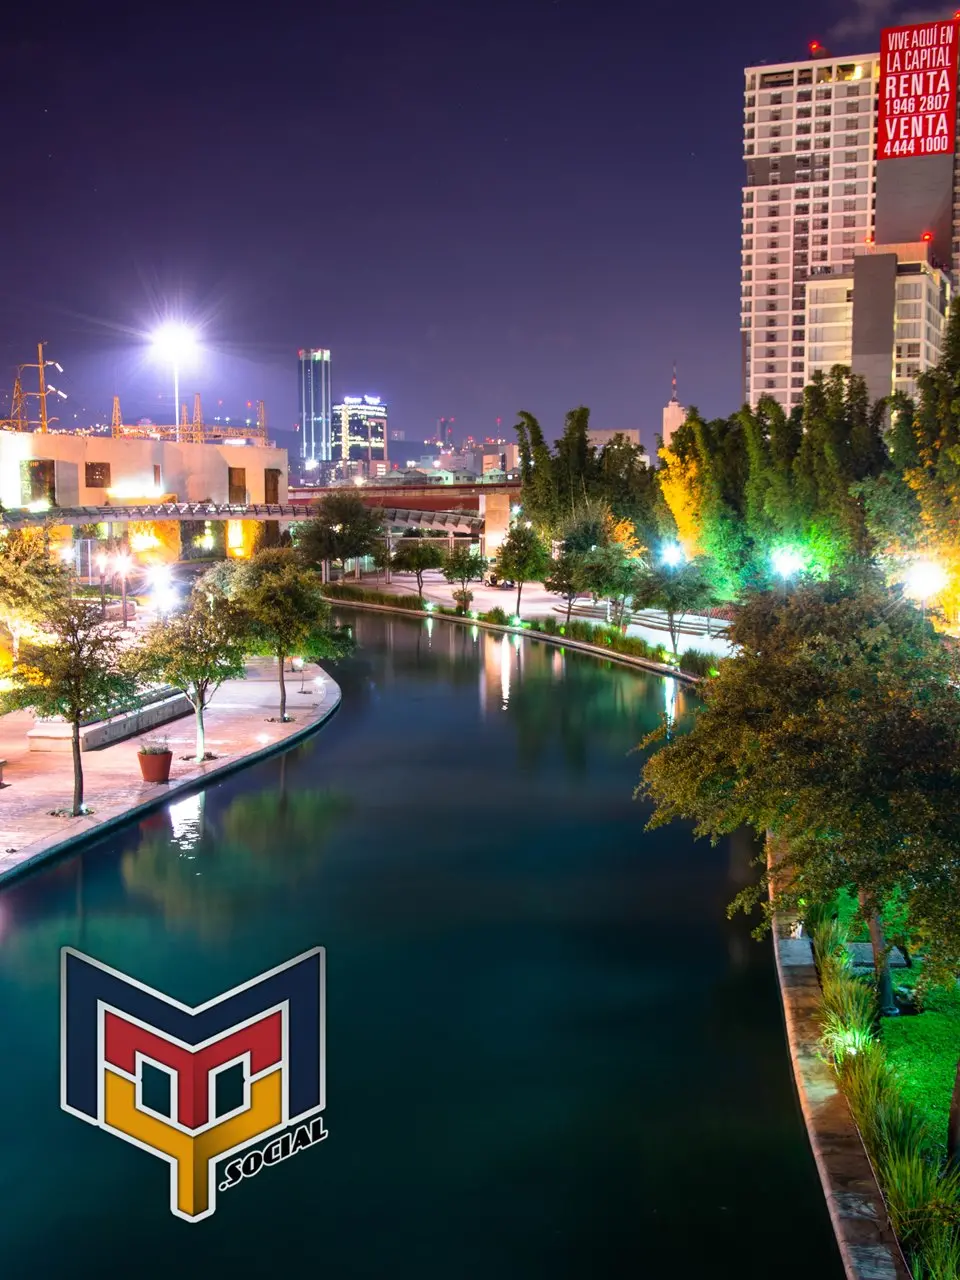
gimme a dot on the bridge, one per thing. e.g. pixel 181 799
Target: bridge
pixel 442 522
pixel 422 497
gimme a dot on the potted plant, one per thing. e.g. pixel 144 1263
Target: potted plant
pixel 155 758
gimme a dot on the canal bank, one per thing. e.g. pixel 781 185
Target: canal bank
pixel 549 1052
pixel 239 730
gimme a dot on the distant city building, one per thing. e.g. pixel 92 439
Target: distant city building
pixel 315 400
pixel 396 434
pixel 445 432
pixel 674 414
pixel 602 436
pixel 359 432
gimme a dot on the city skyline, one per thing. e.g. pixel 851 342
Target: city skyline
pixel 519 268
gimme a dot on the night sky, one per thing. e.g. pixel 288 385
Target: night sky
pixel 478 207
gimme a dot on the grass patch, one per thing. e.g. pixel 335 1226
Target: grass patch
pixel 924 1051
pixel 897 1075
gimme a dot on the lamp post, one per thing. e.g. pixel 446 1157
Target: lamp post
pixel 173 343
pixel 672 554
pixel 122 565
pixel 925 578
pixel 786 562
pixel 102 569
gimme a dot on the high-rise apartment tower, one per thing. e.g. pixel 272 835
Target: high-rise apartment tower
pixel 850 213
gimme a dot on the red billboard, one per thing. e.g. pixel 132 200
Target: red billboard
pixel 918 90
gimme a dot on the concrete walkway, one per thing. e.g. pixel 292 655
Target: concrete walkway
pixel 238 730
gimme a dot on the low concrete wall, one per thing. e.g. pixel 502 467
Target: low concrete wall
pixel 54 735
pixel 867 1244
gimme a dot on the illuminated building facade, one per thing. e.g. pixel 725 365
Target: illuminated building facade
pixel 359 433
pixel 315 401
pixel 850 225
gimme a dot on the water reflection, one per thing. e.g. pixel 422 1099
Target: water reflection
pixel 208 873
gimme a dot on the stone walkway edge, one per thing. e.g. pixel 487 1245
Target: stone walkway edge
pixel 595 650
pixel 161 793
pixel 868 1246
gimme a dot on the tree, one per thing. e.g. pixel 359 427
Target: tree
pixel 835 729
pixel 522 556
pixel 677 590
pixel 196 650
pixel 539 492
pixel 74 672
pixel 613 575
pixel 463 564
pixel 567 578
pixel 416 555
pixel 343 528
pixel 287 615
pixel 29 581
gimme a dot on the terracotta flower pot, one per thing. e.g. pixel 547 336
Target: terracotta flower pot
pixel 155 765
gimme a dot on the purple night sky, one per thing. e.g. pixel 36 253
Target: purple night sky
pixel 479 208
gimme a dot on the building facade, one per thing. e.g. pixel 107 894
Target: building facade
pixel 47 471
pixel 315 402
pixel 850 226
pixel 809 135
pixel 359 433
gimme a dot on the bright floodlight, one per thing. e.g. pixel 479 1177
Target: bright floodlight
pixel 672 554
pixel 786 562
pixel 173 342
pixel 925 579
pixel 160 576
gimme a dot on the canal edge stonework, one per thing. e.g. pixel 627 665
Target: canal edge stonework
pixel 868 1247
pixel 160 794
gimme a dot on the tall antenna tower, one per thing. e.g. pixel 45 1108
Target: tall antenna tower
pixel 18 406
pixel 116 422
pixel 261 422
pixel 196 435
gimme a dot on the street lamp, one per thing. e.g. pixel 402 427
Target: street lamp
pixel 174 343
pixel 164 595
pixel 102 569
pixel 121 564
pixel 672 554
pixel 925 578
pixel 786 562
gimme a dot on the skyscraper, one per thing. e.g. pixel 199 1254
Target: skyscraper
pixel 849 217
pixel 359 431
pixel 315 400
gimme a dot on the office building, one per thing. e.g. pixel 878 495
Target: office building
pixel 600 436
pixel 315 401
pixel 849 215
pixel 359 432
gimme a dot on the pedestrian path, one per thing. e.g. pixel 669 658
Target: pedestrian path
pixel 241 724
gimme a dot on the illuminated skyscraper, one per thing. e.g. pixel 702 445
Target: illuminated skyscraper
pixel 315 400
pixel 850 218
pixel 359 431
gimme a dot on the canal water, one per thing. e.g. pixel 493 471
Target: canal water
pixel 549 1053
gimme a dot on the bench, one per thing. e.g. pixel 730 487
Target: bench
pixel 2 763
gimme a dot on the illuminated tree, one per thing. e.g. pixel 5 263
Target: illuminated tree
pixel 287 615
pixel 343 528
pixel 75 672
pixel 462 565
pixel 30 581
pixel 416 555
pixel 568 578
pixel 681 485
pixel 195 651
pixel 677 590
pixel 836 729
pixel 522 557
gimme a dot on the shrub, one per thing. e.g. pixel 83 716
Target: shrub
pixel 917 1194
pixel 866 1080
pixel 828 945
pixel 698 663
pixel 340 591
pixel 497 616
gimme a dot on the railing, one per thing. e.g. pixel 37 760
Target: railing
pixel 135 703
